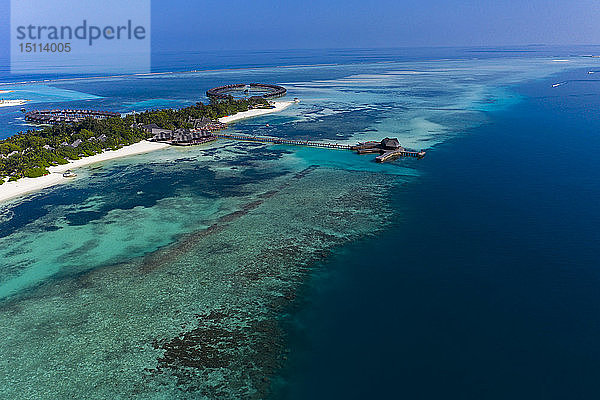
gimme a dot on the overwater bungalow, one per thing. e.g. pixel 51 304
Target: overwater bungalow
pixel 388 149
pixel 66 116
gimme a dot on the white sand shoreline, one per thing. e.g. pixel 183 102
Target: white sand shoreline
pixel 12 103
pixel 279 106
pixel 11 190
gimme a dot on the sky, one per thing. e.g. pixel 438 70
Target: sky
pixel 264 24
pixel 311 24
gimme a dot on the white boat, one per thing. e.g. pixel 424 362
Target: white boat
pixel 69 174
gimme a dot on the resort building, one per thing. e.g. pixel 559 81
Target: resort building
pixel 223 92
pixel 388 149
pixel 66 116
pixel 180 137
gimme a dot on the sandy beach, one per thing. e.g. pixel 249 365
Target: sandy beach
pixel 279 106
pixel 23 186
pixel 12 103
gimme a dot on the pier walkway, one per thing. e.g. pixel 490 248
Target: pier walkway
pixel 389 149
pixel 266 139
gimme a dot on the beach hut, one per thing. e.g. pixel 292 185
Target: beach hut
pixel 149 127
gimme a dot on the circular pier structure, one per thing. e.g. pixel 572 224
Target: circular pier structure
pixel 66 116
pixel 264 90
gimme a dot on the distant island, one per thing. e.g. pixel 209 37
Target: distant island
pixel 11 103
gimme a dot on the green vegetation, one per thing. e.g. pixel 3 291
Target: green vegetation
pixel 30 153
pixel 35 172
pixel 173 119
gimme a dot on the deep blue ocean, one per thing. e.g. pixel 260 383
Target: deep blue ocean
pixel 469 274
pixel 489 286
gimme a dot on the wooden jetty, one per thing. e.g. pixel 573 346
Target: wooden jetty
pixel 388 149
pixel 275 140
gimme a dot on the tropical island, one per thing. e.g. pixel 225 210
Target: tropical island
pixel 12 103
pixel 69 138
pixel 30 154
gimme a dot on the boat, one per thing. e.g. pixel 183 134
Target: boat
pixel 69 174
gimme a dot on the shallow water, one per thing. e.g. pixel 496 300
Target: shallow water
pixel 219 290
pixel 490 290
